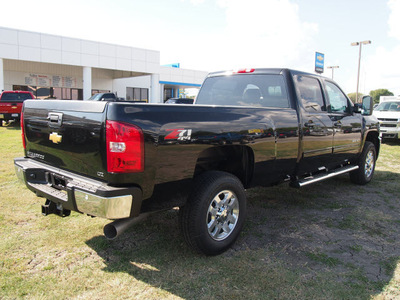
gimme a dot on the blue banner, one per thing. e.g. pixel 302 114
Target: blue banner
pixel 319 62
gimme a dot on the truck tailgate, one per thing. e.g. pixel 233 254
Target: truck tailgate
pixel 66 134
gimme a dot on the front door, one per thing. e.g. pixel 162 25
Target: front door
pixel 347 125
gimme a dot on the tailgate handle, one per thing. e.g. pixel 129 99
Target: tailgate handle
pixel 55 118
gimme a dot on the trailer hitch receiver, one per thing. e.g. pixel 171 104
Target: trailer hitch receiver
pixel 54 208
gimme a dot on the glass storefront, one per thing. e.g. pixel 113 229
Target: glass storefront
pixel 53 93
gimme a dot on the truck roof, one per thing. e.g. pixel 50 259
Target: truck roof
pixel 273 71
pixel 388 98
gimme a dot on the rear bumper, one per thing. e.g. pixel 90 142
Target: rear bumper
pixel 9 116
pixel 78 193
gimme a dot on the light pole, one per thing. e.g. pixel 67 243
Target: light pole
pixel 333 67
pixel 359 61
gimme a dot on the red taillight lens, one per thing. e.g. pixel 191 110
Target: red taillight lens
pixel 243 71
pixel 125 148
pixel 22 130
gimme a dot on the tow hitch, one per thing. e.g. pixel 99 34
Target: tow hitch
pixel 52 208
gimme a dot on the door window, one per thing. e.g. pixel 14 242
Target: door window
pixel 337 99
pixel 309 91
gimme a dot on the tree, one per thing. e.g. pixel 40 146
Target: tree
pixel 375 94
pixel 352 96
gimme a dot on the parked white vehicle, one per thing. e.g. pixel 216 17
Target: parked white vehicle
pixel 388 114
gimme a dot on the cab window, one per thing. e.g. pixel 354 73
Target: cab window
pixel 337 99
pixel 310 93
pixel 254 90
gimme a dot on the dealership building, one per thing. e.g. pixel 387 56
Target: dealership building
pixel 57 67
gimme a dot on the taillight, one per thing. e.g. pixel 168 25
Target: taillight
pixel 22 130
pixel 243 71
pixel 125 148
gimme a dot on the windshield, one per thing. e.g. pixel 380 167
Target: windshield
pixel 388 106
pixel 96 97
pixel 244 90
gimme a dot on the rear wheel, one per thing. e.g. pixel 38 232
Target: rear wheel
pixel 366 165
pixel 214 214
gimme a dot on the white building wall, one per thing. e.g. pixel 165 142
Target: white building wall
pixel 40 47
pixel 120 85
pixel 25 52
pixel 16 71
pixel 182 75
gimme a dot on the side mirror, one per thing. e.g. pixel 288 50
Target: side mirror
pixel 367 105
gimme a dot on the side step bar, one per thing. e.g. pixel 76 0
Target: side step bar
pixel 320 177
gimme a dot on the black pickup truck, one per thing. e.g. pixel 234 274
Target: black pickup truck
pixel 253 127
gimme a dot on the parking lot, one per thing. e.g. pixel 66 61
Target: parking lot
pixel 331 240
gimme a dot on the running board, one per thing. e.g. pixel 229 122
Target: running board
pixel 320 177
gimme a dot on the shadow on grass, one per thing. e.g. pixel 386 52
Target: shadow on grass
pixel 330 240
pixel 12 126
pixel 391 142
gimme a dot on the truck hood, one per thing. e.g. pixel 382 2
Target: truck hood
pixel 387 114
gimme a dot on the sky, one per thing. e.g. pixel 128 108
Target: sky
pixel 214 35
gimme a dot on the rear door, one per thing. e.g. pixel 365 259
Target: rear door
pixel 316 124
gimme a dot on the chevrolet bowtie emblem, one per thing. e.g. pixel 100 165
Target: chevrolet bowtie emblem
pixel 55 138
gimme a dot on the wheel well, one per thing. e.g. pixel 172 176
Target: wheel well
pixel 373 137
pixel 237 160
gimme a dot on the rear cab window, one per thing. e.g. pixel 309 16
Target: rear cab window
pixel 255 90
pixel 15 97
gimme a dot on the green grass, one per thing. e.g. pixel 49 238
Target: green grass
pixel 323 258
pixel 297 244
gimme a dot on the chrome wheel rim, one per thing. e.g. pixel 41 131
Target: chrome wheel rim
pixel 369 164
pixel 222 215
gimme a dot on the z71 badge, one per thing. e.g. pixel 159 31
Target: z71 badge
pixel 179 134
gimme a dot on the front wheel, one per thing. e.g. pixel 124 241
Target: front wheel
pixel 366 165
pixel 214 214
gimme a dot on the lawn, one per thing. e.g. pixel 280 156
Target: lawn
pixel 331 240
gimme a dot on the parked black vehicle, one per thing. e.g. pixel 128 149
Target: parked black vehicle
pixel 179 101
pixel 103 97
pixel 248 128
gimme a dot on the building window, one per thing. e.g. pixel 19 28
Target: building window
pixel 51 93
pixel 168 93
pixel 137 94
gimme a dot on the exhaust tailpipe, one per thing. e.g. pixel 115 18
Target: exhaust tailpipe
pixel 114 229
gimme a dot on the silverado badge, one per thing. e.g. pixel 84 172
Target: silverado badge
pixel 55 138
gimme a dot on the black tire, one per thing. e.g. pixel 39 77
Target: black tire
pixel 366 164
pixel 214 213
